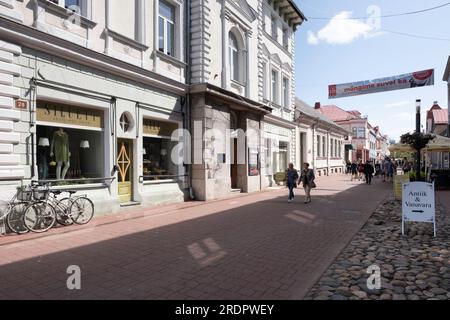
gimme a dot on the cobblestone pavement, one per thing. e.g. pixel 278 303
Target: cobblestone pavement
pixel 415 266
pixel 256 246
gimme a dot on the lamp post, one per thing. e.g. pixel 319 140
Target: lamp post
pixel 418 132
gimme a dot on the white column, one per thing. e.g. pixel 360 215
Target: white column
pixel 247 63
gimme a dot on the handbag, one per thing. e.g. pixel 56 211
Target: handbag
pixel 312 185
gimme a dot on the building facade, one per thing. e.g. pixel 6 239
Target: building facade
pixel 437 123
pixel 241 94
pixel 94 92
pixel 364 135
pixel 321 142
pixel 94 95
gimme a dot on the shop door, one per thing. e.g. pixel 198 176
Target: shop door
pixel 234 165
pixel 125 166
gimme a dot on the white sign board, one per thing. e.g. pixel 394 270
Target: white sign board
pixel 418 203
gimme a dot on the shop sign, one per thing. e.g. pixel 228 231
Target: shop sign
pixel 404 81
pixel 418 203
pixel 159 128
pixel 253 155
pixel 68 114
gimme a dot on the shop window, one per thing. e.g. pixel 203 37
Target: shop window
pixel 280 158
pixel 66 154
pixel 157 150
pixel 157 160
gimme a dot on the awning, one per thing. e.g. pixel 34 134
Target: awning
pixel 349 147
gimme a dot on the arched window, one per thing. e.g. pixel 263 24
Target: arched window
pixel 234 57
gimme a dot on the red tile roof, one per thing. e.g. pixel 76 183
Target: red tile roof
pixel 337 114
pixel 440 116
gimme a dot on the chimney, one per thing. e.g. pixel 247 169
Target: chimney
pixel 317 105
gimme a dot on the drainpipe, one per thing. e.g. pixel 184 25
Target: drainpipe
pixel 187 104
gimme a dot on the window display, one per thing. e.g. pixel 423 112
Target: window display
pixel 157 162
pixel 66 153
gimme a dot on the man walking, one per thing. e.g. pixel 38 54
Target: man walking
pixel 368 171
pixel 307 178
pixel 292 177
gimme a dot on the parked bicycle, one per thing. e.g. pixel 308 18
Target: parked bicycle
pixel 12 210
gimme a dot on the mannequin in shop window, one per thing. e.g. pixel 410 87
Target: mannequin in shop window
pixel 60 149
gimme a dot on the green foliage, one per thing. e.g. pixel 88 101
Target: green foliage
pixel 412 175
pixel 417 140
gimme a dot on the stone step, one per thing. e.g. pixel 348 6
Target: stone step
pixel 130 204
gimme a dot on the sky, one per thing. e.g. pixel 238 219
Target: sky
pixel 339 50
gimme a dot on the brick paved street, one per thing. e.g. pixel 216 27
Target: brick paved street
pixel 255 246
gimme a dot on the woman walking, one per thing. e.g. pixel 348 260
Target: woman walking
pixel 292 177
pixel 354 170
pixel 307 178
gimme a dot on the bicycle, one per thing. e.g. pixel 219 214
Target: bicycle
pixel 12 210
pixel 69 210
pixel 39 216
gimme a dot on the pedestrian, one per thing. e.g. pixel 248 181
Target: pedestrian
pixel 307 178
pixel 368 171
pixel 388 169
pixel 348 168
pixel 292 177
pixel 354 170
pixel 360 170
pixel 377 169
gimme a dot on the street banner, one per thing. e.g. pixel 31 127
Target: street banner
pixel 418 203
pixel 404 81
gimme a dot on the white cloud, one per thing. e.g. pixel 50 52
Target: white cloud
pixel 398 104
pixel 342 30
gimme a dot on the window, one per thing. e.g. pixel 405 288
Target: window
pixel 324 147
pixel 158 150
pixel 336 149
pixel 234 57
pixel 166 28
pixel 318 146
pixel 332 148
pixel 286 100
pixel 124 122
pixel 78 6
pixel 361 132
pixel 274 28
pixel 286 38
pixel 265 88
pixel 274 88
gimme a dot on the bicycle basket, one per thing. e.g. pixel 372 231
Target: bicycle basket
pixel 24 195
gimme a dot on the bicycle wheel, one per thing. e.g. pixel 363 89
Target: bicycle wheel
pixel 63 212
pixel 82 210
pixel 5 208
pixel 15 218
pixel 39 216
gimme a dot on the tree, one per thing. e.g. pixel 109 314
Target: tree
pixel 417 140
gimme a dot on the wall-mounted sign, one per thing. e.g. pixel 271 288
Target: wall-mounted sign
pixel 404 81
pixel 418 203
pixel 159 128
pixel 68 114
pixel 21 104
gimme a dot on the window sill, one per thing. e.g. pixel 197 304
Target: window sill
pixel 66 13
pixel 162 181
pixel 128 41
pixel 80 187
pixel 170 58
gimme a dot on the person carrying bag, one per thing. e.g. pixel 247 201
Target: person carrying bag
pixel 307 178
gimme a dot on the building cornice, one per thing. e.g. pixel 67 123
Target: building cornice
pixel 36 39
